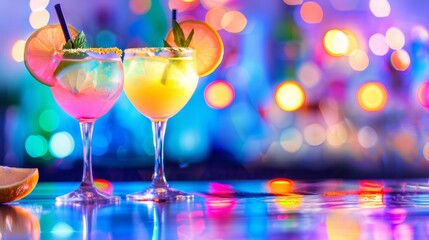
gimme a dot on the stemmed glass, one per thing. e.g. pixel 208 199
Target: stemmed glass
pixel 159 82
pixel 88 83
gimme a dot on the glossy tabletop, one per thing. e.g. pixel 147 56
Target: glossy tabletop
pixel 275 209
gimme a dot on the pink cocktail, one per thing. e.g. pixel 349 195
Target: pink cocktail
pixel 88 82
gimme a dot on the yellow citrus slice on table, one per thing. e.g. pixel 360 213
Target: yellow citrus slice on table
pixel 206 42
pixel 39 49
pixel 16 183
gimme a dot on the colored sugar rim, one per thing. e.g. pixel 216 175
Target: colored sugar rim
pixel 101 51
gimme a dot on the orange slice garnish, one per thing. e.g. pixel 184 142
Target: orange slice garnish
pixel 39 49
pixel 206 42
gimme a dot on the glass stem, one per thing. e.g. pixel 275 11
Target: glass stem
pixel 86 129
pixel 158 129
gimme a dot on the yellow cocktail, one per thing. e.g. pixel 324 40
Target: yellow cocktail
pixel 159 82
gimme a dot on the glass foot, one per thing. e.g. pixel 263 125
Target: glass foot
pixel 89 195
pixel 163 194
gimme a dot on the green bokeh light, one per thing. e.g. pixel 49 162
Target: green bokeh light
pixel 49 120
pixel 36 146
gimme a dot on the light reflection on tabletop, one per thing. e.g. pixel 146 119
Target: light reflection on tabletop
pixel 275 209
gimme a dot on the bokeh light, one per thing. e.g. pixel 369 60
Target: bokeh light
pixel 233 21
pixel 336 42
pixel 423 94
pixel 18 51
pixel 378 44
pixel 367 137
pixel 38 5
pixel 49 120
pixel 219 94
pixel 208 4
pixel 39 19
pixel 337 134
pixel 61 144
pixel 62 230
pixel 372 96
pixel 359 60
pixel 400 60
pixel 189 144
pixel 380 8
pixel 214 17
pixel 395 38
pixel 290 96
pixel 291 140
pixel 280 186
pixel 315 134
pixel 140 7
pixel 309 74
pixel 36 146
pixel 311 12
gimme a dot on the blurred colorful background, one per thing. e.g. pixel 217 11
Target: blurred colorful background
pixel 306 89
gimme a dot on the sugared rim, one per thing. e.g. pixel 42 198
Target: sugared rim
pixel 101 51
pixel 158 49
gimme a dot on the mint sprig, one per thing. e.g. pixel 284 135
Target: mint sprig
pixel 79 42
pixel 179 36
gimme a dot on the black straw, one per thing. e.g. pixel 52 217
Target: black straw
pixel 63 24
pixel 173 16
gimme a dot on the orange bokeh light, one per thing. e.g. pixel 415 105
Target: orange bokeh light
pixel 219 94
pixel 214 17
pixel 234 22
pixel 280 186
pixel 372 96
pixel 311 12
pixel 140 6
pixel 400 60
pixel 423 94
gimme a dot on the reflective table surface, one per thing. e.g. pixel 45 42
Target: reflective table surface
pixel 274 209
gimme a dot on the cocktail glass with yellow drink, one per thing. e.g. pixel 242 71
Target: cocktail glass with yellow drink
pixel 160 81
